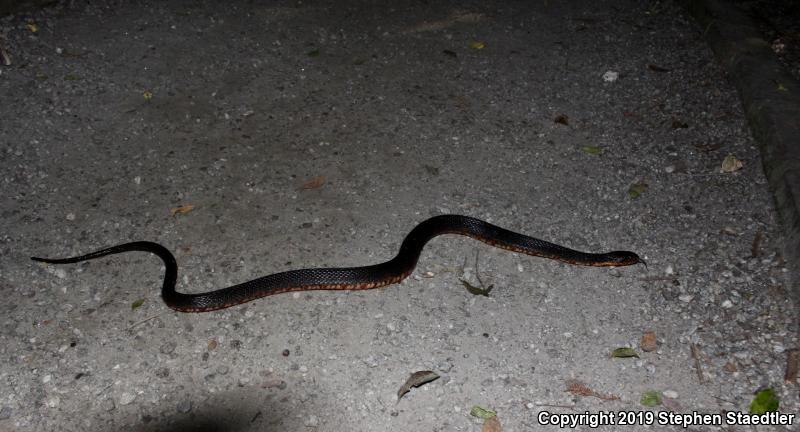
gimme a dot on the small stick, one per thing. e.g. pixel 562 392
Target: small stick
pixel 792 364
pixel 658 278
pixel 6 58
pixel 143 321
pixel 555 405
pixel 698 367
pixel 755 249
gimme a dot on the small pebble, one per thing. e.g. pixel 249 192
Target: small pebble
pixel 610 76
pixel 311 421
pixel 184 406
pixel 126 398
pixel 686 298
pixel 167 347
pixel 108 404
pixel 70 216
pixel 727 304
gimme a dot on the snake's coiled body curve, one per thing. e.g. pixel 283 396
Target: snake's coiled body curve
pixel 355 278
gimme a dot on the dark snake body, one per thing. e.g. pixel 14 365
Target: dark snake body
pixel 355 278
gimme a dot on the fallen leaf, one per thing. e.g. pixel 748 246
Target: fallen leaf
pixel 415 380
pixel 730 367
pixel 731 164
pixel 450 53
pixel 313 53
pixel 679 124
pixel 6 58
pixel 477 45
pixel 456 17
pixel 578 388
pixel 651 398
pixel 561 119
pixel 481 412
pixel 71 77
pixel 472 289
pixel 32 27
pixel 708 147
pixel 432 170
pixel 492 424
pixel 592 149
pixel 186 208
pixel 637 189
pixel 624 352
pixel 212 344
pixel 792 364
pixel 755 247
pixel 147 95
pixel 648 342
pixel 765 401
pixel 137 304
pixel 314 183
pixel 656 68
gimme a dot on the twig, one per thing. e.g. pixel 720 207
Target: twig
pixel 792 363
pixel 697 366
pixel 5 57
pixel 755 249
pixel 658 278
pixel 143 321
pixel 556 405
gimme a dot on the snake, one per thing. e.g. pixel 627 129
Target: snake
pixel 354 278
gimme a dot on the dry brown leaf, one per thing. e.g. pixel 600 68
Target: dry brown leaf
pixel 212 344
pixel 792 364
pixel 708 147
pixel 730 367
pixel 186 208
pixel 679 124
pixel 314 183
pixel 648 342
pixel 755 247
pixel 453 18
pixel 562 119
pixel 731 164
pixel 656 68
pixel 577 387
pixel 492 424
pixel 415 380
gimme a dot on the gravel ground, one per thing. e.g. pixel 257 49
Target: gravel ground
pixel 779 22
pixel 319 134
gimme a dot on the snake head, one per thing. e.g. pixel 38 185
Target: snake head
pixel 624 258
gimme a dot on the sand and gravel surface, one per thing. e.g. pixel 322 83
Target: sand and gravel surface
pixel 257 137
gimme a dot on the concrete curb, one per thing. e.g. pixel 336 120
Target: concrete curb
pixel 771 101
